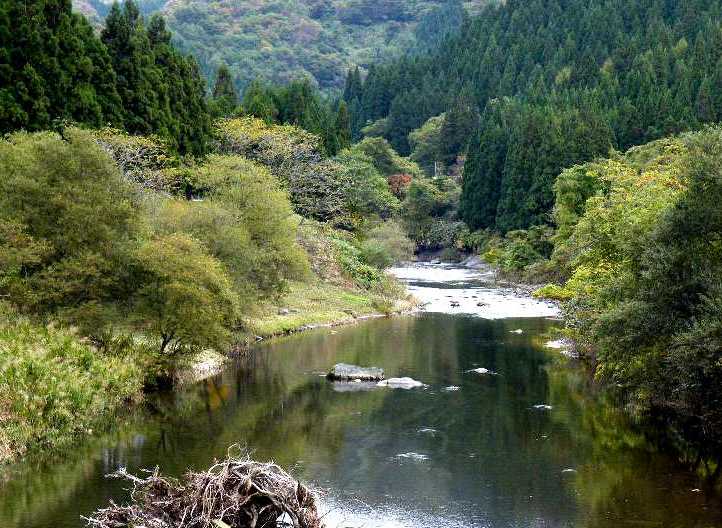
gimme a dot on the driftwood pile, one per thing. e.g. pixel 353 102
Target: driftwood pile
pixel 235 493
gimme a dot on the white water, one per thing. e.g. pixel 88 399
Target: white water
pixel 453 289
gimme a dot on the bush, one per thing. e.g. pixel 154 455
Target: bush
pixel 386 245
pixel 295 157
pixel 186 297
pixel 428 213
pixel 142 160
pixel 68 222
pixel 553 292
pixel 644 283
pixel 245 220
pixel 362 274
pixel 366 192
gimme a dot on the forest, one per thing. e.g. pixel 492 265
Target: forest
pixel 283 40
pixel 152 208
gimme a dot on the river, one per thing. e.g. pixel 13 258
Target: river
pixel 534 444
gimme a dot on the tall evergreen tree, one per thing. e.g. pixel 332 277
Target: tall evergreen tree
pixel 125 35
pixel 225 97
pixel 342 126
pixel 52 67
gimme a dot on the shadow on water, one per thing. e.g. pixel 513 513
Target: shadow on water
pixel 479 455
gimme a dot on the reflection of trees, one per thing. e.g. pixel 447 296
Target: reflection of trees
pixel 491 451
pixel 625 474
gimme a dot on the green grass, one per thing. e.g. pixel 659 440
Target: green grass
pixel 318 303
pixel 54 387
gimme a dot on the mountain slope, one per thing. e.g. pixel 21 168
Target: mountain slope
pixel 280 40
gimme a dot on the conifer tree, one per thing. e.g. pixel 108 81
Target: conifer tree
pixel 225 97
pixel 342 126
pixel 52 67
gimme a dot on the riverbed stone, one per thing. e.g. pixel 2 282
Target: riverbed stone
pixel 400 383
pixel 346 372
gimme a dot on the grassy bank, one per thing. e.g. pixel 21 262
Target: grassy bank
pixel 319 303
pixel 55 388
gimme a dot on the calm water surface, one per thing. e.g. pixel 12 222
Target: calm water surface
pixel 465 451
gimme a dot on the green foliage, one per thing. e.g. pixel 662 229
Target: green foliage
pixel 161 90
pixel 344 189
pixel 386 245
pixel 52 67
pixel 386 160
pixel 144 161
pixel 518 249
pixel 366 192
pixel 549 101
pixel 645 264
pixel 186 297
pixel 68 219
pixel 428 213
pixel 245 221
pixel 300 104
pixel 80 243
pixel 55 387
pixel 282 41
pixel 553 292
pixel 294 156
pixel 225 98
pixel 350 258
pixel 425 143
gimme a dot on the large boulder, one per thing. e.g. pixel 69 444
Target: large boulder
pixel 346 372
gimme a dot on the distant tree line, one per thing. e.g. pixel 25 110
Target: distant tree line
pixel 556 82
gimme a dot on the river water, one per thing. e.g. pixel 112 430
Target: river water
pixel 532 445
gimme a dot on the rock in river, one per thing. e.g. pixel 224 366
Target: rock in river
pixel 346 372
pixel 400 383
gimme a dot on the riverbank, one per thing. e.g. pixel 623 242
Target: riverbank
pixel 310 305
pixel 55 387
pixel 306 306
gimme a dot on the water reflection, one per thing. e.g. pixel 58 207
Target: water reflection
pixel 482 455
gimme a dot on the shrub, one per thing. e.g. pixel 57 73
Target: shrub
pixel 186 297
pixel 69 221
pixel 315 184
pixel 142 160
pixel 366 192
pixel 362 274
pixel 553 292
pixel 385 245
pixel 245 220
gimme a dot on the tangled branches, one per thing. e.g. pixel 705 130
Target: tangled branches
pixel 238 492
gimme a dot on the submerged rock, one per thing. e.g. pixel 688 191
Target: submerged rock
pixel 353 386
pixel 417 457
pixel 400 383
pixel 482 371
pixel 542 407
pixel 346 372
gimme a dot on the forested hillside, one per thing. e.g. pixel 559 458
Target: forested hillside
pixel 556 82
pixel 283 40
